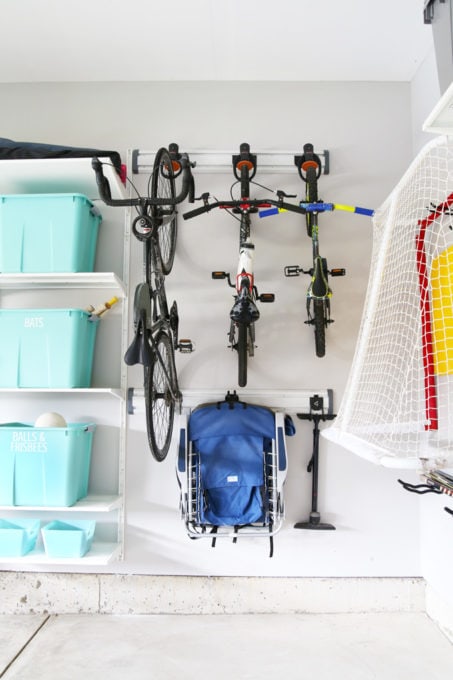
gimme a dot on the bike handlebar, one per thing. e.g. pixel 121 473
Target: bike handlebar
pixel 187 188
pixel 323 207
pixel 244 206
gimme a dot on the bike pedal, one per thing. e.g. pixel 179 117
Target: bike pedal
pixel 337 272
pixel 293 270
pixel 185 346
pixel 219 275
pixel 266 297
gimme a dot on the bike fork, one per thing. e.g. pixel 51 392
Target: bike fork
pixel 310 313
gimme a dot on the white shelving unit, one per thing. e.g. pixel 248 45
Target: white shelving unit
pixel 106 399
pixel 105 281
pixel 101 553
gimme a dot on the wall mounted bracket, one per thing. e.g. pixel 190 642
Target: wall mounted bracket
pixel 213 161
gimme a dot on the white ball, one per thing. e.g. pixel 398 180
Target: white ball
pixel 50 419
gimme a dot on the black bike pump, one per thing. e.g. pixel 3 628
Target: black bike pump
pixel 316 415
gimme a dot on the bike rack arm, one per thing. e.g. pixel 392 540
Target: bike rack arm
pixel 419 488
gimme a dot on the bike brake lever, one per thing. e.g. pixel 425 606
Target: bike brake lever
pixel 204 197
pixel 282 194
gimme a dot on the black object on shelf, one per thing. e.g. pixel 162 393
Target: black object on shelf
pixel 316 415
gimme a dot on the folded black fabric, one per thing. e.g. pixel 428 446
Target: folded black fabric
pixel 11 149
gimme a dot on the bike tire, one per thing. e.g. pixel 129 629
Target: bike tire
pixel 242 349
pixel 320 322
pixel 245 181
pixel 159 402
pixel 163 186
pixel 311 196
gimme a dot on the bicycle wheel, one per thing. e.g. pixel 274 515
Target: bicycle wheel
pixel 320 322
pixel 164 217
pixel 311 196
pixel 245 181
pixel 242 350
pixel 159 402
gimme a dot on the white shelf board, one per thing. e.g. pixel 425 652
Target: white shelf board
pixel 98 503
pixel 56 175
pixel 91 503
pixel 100 554
pixel 96 280
pixel 109 391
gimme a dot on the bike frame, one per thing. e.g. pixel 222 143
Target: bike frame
pixel 156 327
pixel 318 288
pixel 244 313
pixel 160 317
pixel 319 291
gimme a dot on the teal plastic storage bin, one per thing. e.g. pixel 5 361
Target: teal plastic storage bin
pixel 62 539
pixel 46 466
pixel 19 537
pixel 46 347
pixel 48 233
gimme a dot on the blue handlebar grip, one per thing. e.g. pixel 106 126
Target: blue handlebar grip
pixel 364 211
pixel 323 207
pixel 268 212
pixel 317 207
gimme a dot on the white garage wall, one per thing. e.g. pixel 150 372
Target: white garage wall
pixel 367 129
pixel 425 92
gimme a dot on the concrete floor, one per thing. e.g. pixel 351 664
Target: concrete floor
pixel 378 646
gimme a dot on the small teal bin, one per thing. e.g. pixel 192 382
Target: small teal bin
pixel 62 539
pixel 19 537
pixel 48 466
pixel 48 233
pixel 46 347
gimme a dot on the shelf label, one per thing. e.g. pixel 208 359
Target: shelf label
pixel 34 322
pixel 28 442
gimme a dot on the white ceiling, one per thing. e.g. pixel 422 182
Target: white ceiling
pixel 304 40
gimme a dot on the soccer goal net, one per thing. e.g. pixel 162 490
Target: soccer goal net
pixel 398 404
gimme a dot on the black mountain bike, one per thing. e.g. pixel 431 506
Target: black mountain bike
pixel 319 292
pixel 244 312
pixel 156 325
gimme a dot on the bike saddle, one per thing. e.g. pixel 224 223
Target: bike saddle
pixel 319 286
pixel 139 351
pixel 244 309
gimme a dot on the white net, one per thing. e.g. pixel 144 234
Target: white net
pixel 398 403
